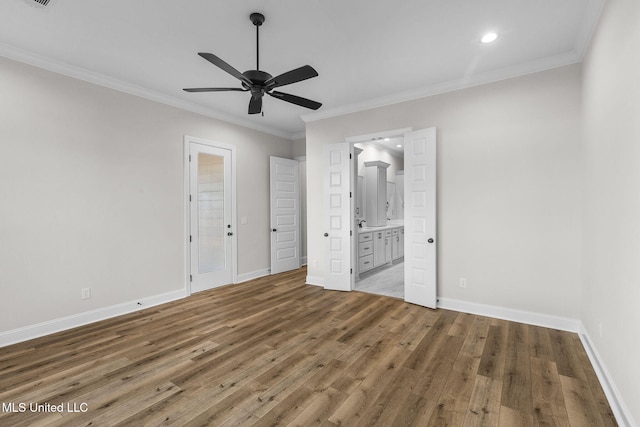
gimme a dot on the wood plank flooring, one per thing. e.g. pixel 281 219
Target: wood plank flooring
pixel 275 351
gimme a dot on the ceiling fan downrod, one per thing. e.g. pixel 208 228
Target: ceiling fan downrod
pixel 257 19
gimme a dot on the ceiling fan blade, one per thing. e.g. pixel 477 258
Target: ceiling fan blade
pixel 224 66
pixel 303 73
pixel 214 89
pixel 255 104
pixel 303 102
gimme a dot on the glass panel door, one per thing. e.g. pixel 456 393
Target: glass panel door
pixel 211 227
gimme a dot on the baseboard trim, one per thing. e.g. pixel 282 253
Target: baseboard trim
pixel 315 280
pixel 245 277
pixel 303 261
pixel 620 410
pixel 68 322
pixel 521 316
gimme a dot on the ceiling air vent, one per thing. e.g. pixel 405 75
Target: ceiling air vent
pixel 42 2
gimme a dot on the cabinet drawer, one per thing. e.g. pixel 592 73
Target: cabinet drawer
pixel 365 248
pixel 365 237
pixel 365 263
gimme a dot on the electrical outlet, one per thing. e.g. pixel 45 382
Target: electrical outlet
pixel 86 293
pixel 463 282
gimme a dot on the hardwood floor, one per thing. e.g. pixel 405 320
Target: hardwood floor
pixel 275 351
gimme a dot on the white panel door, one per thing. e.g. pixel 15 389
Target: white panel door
pixel 285 214
pixel 211 230
pixel 420 217
pixel 337 214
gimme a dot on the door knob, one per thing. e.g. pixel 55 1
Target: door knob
pixel 430 240
pixel 229 234
pixel 326 234
pixel 274 230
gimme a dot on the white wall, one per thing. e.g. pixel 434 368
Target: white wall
pixel 299 148
pixel 611 297
pixel 509 187
pixel 299 151
pixel 91 183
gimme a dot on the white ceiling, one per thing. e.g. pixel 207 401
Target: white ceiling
pixel 367 53
pixel 393 145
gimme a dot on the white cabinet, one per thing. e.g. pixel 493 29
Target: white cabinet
pixel 387 245
pixel 378 248
pixel 365 252
pixel 395 243
pixel 375 187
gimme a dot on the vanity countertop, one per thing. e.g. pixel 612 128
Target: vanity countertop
pixel 390 224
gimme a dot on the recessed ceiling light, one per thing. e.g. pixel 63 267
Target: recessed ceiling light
pixel 399 145
pixel 489 37
pixel 386 139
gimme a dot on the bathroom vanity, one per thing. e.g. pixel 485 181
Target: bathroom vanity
pixel 378 246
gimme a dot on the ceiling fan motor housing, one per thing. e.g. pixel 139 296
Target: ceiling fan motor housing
pixel 257 77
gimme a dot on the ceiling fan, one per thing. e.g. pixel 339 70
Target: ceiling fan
pixel 260 82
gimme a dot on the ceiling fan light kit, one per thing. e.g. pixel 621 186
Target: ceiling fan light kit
pixel 260 82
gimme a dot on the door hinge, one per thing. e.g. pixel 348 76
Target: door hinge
pixel 351 272
pixel 350 196
pixel 190 239
pixel 189 157
pixel 191 278
pixel 349 155
pixel 350 232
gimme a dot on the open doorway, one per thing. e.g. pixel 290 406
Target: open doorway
pixel 419 248
pixel 378 223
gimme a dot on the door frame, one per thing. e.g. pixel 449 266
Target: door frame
pixel 367 138
pixel 352 140
pixel 188 140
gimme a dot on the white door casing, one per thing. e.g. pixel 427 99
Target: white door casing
pixel 337 214
pixel 210 212
pixel 285 214
pixel 420 276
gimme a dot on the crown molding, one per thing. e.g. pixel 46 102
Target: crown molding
pixel 583 39
pixel 68 70
pixel 588 28
pixel 449 86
